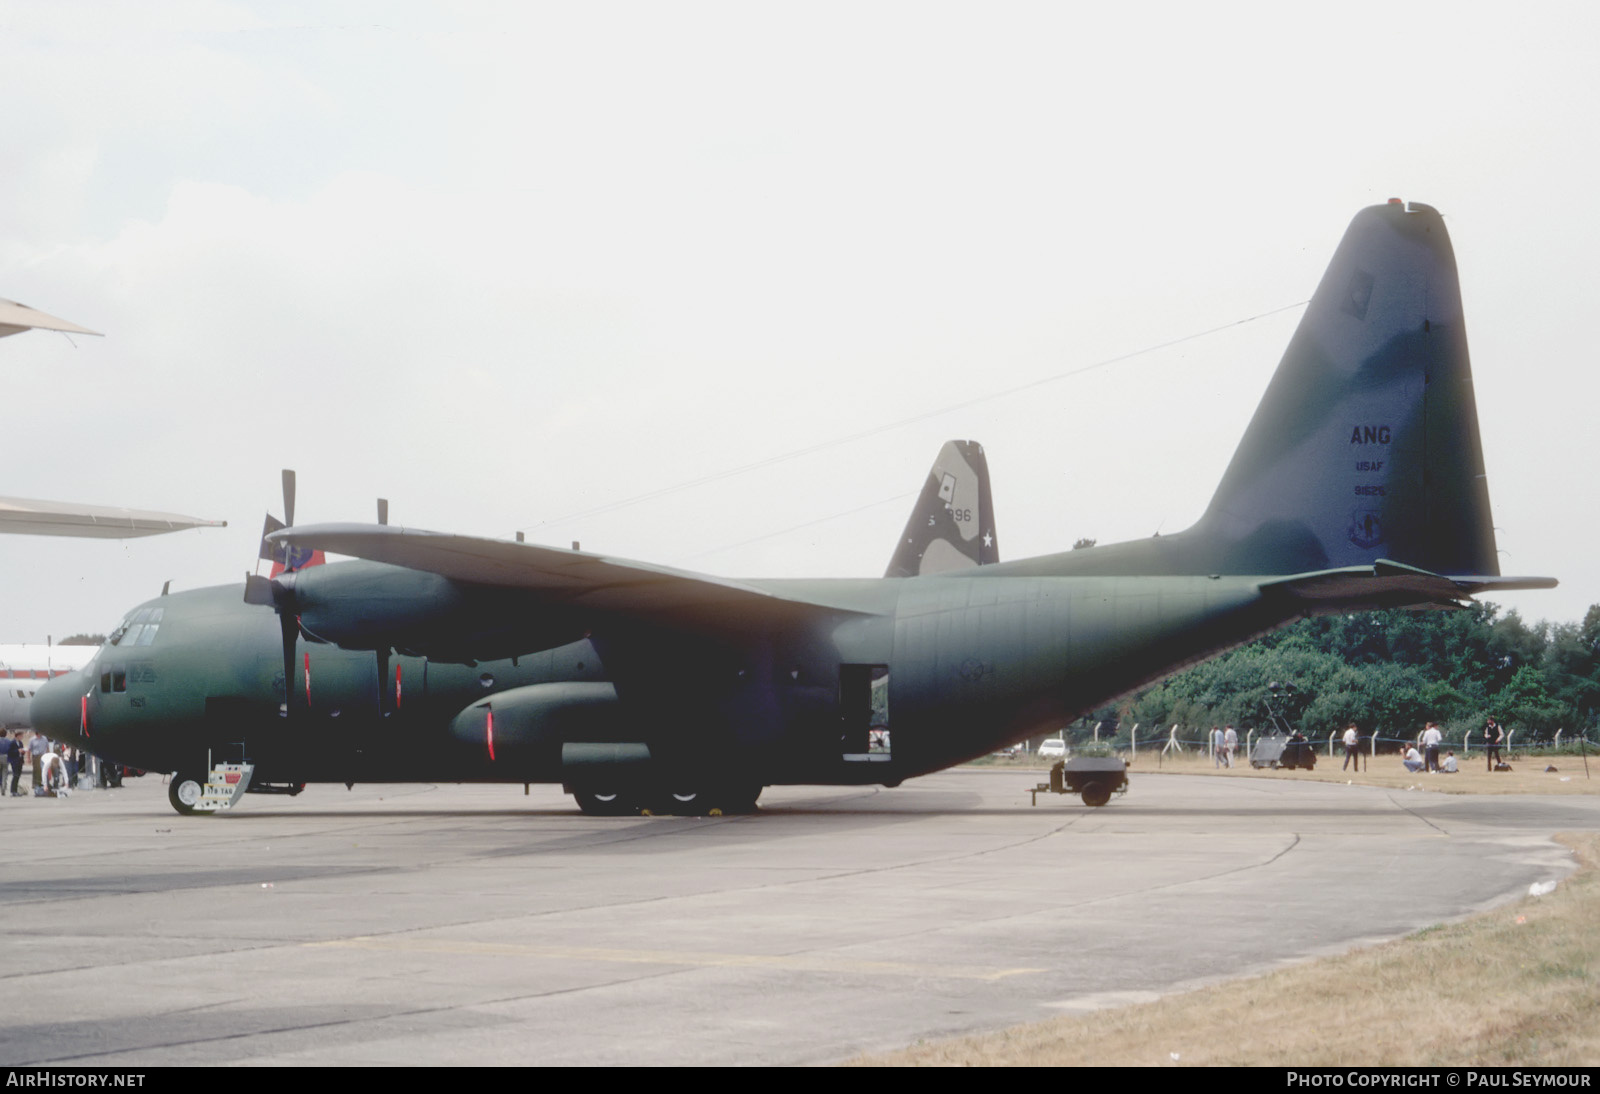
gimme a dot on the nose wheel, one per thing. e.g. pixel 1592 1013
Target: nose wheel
pixel 184 792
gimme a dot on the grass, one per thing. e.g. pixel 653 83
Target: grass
pixel 1514 986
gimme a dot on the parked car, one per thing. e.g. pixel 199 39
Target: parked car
pixel 1052 748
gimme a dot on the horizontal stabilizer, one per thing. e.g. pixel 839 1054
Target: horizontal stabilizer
pixel 1481 583
pixel 1386 584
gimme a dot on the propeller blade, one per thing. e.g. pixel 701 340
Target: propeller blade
pixel 280 594
pixel 291 630
pixel 383 681
pixel 288 496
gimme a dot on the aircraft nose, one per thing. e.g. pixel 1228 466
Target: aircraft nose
pixel 56 710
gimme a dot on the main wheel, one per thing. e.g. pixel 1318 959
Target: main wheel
pixel 184 792
pixel 684 802
pixel 604 803
pixel 1096 794
pixel 687 800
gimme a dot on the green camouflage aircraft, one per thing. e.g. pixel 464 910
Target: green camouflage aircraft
pixel 1359 484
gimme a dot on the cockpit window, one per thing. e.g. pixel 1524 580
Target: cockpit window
pixel 139 629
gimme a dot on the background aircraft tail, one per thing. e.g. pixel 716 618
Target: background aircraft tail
pixel 952 523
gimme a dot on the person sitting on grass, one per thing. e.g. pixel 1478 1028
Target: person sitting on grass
pixel 1448 764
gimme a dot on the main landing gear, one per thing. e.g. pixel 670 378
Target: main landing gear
pixel 681 800
pixel 605 803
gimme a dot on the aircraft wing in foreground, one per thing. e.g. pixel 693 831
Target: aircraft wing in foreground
pixel 30 517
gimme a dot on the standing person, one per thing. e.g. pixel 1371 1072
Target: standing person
pixel 1430 746
pixel 1230 741
pixel 11 753
pixel 1352 744
pixel 1216 746
pixel 37 748
pixel 1493 738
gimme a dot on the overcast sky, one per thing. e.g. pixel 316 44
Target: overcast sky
pixel 516 266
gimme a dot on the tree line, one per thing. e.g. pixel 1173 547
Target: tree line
pixel 1390 672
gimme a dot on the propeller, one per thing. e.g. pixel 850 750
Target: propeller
pixel 289 631
pixel 278 592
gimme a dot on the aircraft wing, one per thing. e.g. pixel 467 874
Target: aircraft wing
pixel 1386 584
pixel 574 579
pixel 26 516
pixel 16 318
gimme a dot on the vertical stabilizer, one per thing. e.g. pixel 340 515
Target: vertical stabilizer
pixel 952 524
pixel 1366 443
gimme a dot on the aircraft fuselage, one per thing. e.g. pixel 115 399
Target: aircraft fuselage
pixel 969 664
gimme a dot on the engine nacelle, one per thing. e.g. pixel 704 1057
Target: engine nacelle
pixel 522 731
pixel 369 606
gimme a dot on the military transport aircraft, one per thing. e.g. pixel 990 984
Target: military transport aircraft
pixel 1359 484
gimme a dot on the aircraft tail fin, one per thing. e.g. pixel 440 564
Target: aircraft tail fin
pixel 952 523
pixel 1365 446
